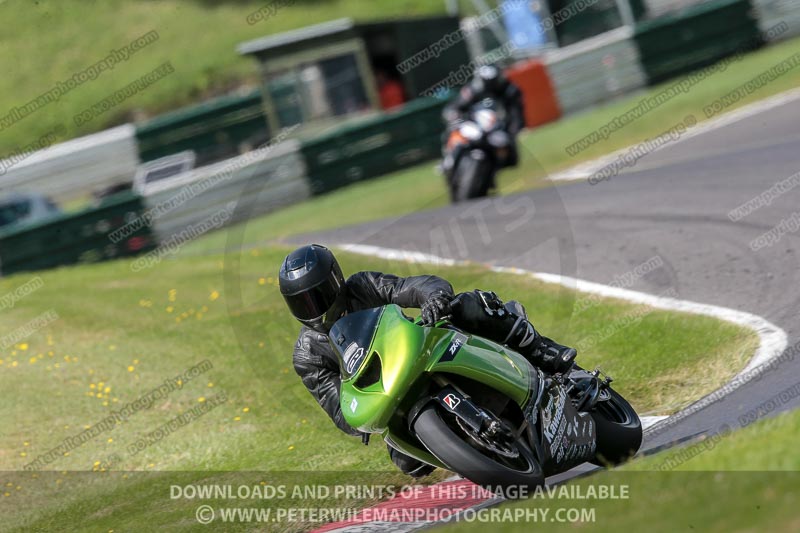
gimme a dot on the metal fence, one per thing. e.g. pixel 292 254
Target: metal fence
pixel 76 168
pixel 658 8
pixel 595 70
pixel 257 182
pixel 770 13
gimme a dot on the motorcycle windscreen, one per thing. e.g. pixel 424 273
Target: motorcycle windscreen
pixel 351 337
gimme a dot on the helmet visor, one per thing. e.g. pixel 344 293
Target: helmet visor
pixel 315 302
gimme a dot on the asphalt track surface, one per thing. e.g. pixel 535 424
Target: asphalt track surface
pixel 674 204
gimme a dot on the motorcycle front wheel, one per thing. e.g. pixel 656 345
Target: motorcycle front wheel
pixel 471 178
pixel 489 464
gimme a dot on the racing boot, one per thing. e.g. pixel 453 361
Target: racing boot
pixel 540 351
pixel 483 313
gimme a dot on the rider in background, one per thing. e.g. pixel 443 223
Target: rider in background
pixel 317 295
pixel 489 82
pixel 390 90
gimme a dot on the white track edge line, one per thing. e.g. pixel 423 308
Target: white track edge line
pixel 587 168
pixel 772 339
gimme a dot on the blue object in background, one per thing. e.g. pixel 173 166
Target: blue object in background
pixel 523 25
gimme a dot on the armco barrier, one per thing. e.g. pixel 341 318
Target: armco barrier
pixel 75 238
pixel 539 98
pixel 579 20
pixel 770 13
pixel 595 70
pixel 217 129
pixel 659 8
pixel 695 37
pixel 375 146
pixel 257 182
pixel 76 168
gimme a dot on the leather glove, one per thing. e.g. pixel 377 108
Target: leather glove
pixel 435 308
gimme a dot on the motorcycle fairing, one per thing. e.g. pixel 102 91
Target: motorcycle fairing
pixel 568 436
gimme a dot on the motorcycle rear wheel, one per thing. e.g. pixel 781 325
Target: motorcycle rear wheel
pixel 619 430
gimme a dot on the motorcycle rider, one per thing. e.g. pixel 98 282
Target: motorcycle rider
pixel 488 82
pixel 317 295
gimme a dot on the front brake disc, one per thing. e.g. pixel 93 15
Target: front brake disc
pixel 510 452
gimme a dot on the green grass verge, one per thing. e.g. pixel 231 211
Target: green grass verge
pixel 543 152
pixel 744 481
pixel 198 37
pixel 121 334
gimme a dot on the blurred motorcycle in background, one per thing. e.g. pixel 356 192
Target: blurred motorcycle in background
pixel 477 145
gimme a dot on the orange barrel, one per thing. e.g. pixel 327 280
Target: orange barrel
pixel 539 98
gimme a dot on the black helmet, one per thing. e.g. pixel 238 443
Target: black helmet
pixel 312 284
pixel 489 78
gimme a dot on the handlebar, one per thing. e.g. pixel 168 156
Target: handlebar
pixel 445 318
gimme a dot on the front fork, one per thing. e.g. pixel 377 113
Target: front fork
pixel 459 403
pixel 481 421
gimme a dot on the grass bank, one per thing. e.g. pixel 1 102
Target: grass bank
pixel 158 324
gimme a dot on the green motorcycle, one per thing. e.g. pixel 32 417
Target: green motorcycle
pixel 466 404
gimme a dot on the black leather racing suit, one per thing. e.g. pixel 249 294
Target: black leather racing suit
pixel 315 361
pixel 508 95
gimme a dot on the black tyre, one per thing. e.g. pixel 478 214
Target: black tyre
pixel 471 178
pixel 619 430
pixel 454 446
